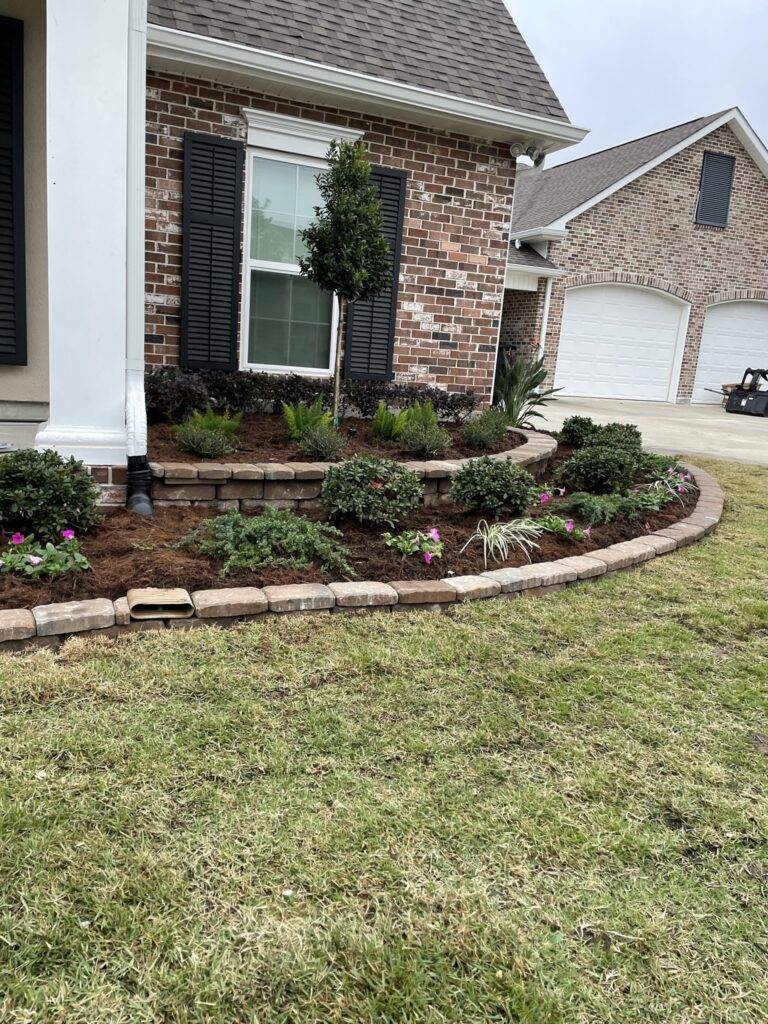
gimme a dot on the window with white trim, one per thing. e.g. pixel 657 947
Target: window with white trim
pixel 290 320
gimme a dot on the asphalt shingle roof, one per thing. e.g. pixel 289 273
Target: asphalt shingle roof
pixel 526 256
pixel 542 197
pixel 469 49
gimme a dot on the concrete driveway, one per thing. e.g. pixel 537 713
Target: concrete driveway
pixel 674 429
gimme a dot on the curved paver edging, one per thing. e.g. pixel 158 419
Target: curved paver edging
pixel 49 625
pixel 244 485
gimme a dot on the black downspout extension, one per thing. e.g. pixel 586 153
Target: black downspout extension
pixel 138 498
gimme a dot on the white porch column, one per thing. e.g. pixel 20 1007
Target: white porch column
pixel 87 118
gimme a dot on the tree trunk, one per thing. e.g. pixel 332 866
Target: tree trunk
pixel 337 367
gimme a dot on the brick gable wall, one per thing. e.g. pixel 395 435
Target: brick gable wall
pixel 646 234
pixel 455 234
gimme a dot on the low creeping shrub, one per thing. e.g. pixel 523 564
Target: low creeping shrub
pixel 598 470
pixel 27 557
pixel 275 536
pixel 300 418
pixel 596 509
pixel 425 440
pixel 372 490
pixel 41 493
pixel 493 485
pixel 322 441
pixel 486 430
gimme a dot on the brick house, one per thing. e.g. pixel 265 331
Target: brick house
pixel 641 272
pixel 154 187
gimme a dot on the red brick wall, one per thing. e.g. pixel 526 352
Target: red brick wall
pixel 455 237
pixel 521 319
pixel 646 234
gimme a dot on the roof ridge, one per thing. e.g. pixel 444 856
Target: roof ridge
pixel 640 138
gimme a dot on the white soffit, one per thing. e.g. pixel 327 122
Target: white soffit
pixel 184 53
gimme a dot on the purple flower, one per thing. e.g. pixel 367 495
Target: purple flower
pixel 18 538
pixel 588 532
pixel 544 497
pixel 34 559
pixel 570 526
pixel 427 557
pixel 68 534
pixel 680 489
pixel 433 534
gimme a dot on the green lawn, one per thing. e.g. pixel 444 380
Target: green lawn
pixel 537 810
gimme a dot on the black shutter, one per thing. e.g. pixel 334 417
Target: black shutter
pixel 13 314
pixel 715 190
pixel 211 232
pixel 370 332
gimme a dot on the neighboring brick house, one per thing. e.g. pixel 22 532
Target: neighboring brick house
pixel 653 276
pixel 190 132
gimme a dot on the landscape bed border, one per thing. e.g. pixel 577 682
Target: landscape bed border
pixel 50 625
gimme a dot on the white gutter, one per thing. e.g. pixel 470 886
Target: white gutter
pixel 187 53
pixel 136 415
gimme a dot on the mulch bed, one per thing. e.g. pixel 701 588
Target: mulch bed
pixel 262 438
pixel 127 551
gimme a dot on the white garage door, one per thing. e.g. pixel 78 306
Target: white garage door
pixel 619 342
pixel 735 336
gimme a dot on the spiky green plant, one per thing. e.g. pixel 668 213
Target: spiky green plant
pixel 518 390
pixel 498 539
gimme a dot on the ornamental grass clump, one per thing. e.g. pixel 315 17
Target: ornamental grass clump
pixel 499 539
pixel 371 490
pixel 275 537
pixel 42 494
pixel 493 486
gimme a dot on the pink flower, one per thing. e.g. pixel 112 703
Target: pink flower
pixel 34 559
pixel 544 497
pixel 561 491
pixel 588 532
pixel 428 557
pixel 377 484
pixel 18 538
pixel 570 526
pixel 433 534
pixel 68 534
pixel 680 489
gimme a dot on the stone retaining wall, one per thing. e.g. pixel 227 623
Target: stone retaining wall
pixel 49 625
pixel 297 484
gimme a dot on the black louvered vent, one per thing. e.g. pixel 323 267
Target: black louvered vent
pixel 370 333
pixel 715 193
pixel 13 325
pixel 211 233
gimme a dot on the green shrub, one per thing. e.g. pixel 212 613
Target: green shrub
pixel 208 444
pixel 617 435
pixel 486 430
pixel 493 485
pixel 425 440
pixel 371 490
pixel 598 470
pixel 577 430
pixel 322 441
pixel 387 425
pixel 41 493
pixel 300 417
pixel 276 536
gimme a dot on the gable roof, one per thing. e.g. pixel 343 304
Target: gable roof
pixel 448 46
pixel 526 257
pixel 550 198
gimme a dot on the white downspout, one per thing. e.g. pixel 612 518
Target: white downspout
pixel 545 316
pixel 136 415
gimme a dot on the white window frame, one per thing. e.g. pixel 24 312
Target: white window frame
pixel 291 140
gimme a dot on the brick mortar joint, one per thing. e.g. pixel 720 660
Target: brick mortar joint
pixel 709 489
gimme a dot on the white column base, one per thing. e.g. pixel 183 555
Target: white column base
pixel 94 447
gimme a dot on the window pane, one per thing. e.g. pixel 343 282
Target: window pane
pixel 307 199
pixel 283 199
pixel 289 322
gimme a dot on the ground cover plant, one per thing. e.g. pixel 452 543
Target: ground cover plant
pixel 549 811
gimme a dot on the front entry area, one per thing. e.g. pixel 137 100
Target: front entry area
pixel 620 341
pixel 735 337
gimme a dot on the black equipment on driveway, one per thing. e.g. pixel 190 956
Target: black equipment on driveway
pixel 748 398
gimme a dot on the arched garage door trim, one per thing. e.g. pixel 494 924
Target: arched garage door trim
pixel 683 306
pixel 746 297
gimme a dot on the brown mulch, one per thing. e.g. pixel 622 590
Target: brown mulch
pixel 262 438
pixel 128 551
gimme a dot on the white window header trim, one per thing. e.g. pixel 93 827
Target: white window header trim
pixel 294 135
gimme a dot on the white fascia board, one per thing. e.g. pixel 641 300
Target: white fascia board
pixel 734 118
pixel 543 234
pixel 189 54
pixel 516 268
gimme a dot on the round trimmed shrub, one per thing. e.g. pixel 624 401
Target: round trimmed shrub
pixel 493 486
pixel 598 470
pixel 371 490
pixel 617 435
pixel 577 430
pixel 42 493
